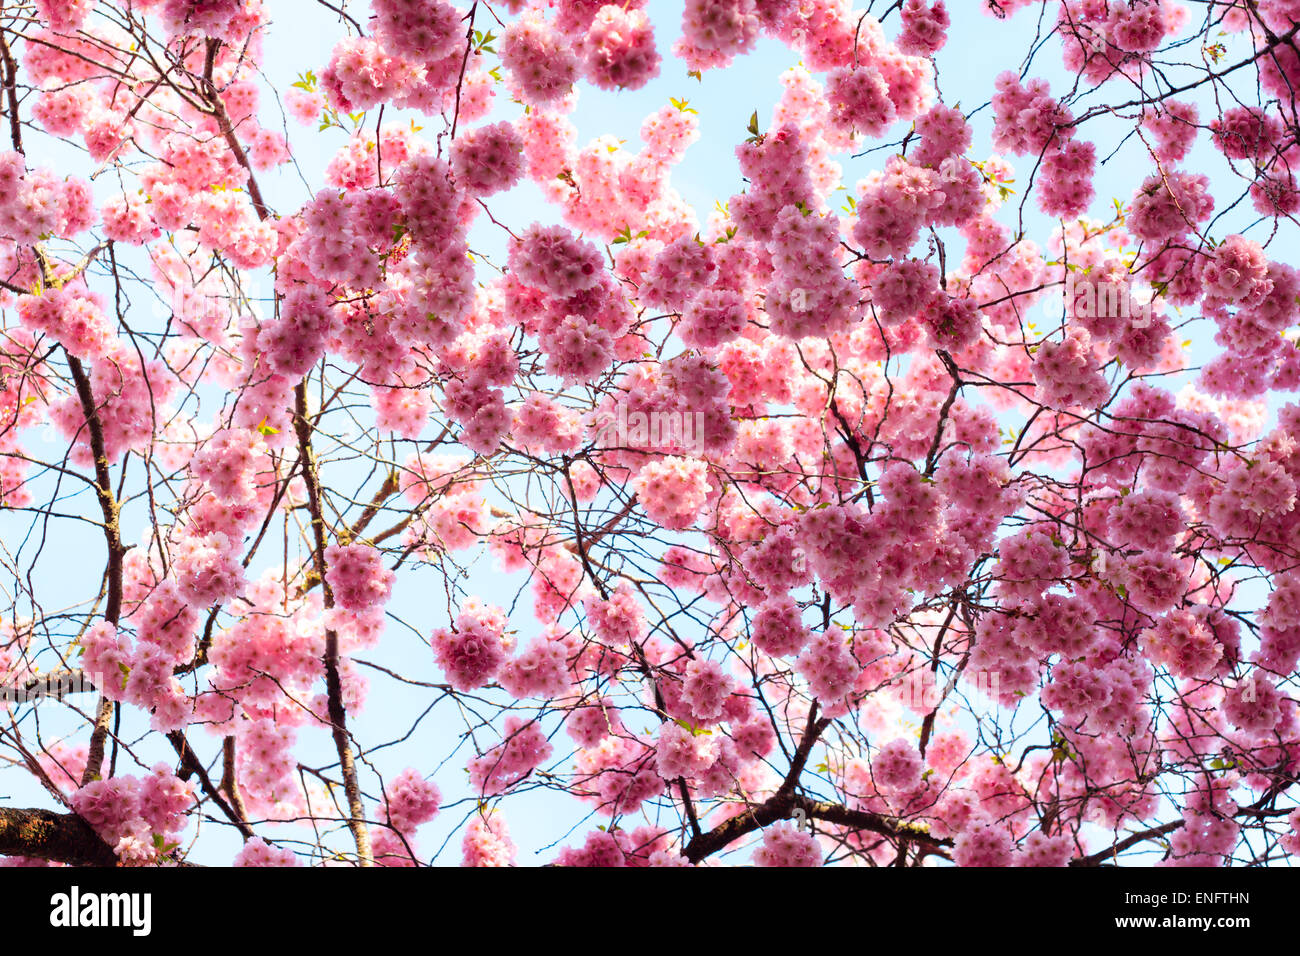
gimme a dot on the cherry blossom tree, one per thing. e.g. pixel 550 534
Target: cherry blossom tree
pixel 921 503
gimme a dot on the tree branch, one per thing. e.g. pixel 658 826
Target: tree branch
pixel 333 684
pixel 58 837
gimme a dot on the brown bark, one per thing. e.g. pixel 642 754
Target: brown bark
pixel 58 837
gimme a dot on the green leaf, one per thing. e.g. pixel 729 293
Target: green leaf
pixel 695 731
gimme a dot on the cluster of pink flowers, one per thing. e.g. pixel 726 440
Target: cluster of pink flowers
pixel 680 752
pixel 487 842
pixel 828 664
pixel 411 800
pixel 859 101
pixel 523 748
pixel 64 16
pixel 713 317
pixel 706 688
pixel 644 846
pixel 488 159
pixel 778 628
pixel 809 294
pixel 552 259
pixel 983 843
pixel 785 845
pixel 257 852
pixel 618 774
pixel 542 65
pixel 137 816
pixel 73 316
pixel 357 576
pixel 541 670
pixel 925 27
pixel 421 30
pixel 363 72
pixel 893 206
pixel 1170 205
pixel 1028 563
pixel 267 770
pixel 1067 373
pixel 206 568
pixel 473 651
pixel 1185 644
pixel 34 204
pixel 897 768
pixel 673 490
pixel 618 620
pixel 776 167
pixel 716 31
pixel 618 50
pixel 590 724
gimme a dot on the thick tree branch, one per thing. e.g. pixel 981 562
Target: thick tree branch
pixel 11 94
pixel 109 507
pixel 1100 857
pixel 58 837
pixel 192 766
pixel 333 684
pixel 782 806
